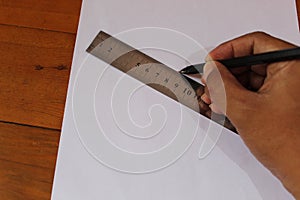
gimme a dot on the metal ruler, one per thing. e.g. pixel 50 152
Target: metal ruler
pixel 150 72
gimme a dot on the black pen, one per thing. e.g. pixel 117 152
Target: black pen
pixel 262 58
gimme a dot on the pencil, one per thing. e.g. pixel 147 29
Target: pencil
pixel 262 58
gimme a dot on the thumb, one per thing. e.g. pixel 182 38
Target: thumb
pixel 226 94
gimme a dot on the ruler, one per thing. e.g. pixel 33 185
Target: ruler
pixel 153 73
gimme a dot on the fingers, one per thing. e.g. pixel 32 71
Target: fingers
pixel 205 97
pixel 257 42
pixel 225 94
pixel 251 80
pixel 252 43
pixel 204 107
pixel 227 90
pixel 255 81
pixel 259 69
pixel 220 84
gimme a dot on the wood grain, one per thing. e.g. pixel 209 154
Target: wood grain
pixel 55 15
pixel 27 161
pixel 35 66
pixel 36 46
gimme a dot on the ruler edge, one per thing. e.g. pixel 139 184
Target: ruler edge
pixel 224 123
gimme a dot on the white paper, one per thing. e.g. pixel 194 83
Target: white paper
pixel 124 141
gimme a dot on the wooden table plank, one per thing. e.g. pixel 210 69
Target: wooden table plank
pixel 57 15
pixel 28 145
pixel 32 91
pixel 27 161
pixel 18 181
pixel 34 71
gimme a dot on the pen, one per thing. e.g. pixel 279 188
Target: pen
pixel 262 58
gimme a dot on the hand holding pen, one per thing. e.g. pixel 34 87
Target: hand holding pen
pixel 262 102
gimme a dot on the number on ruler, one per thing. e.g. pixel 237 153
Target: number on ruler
pixel 187 91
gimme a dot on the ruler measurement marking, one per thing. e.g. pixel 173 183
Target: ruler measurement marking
pixel 156 75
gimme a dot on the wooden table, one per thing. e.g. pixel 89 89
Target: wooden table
pixel 36 45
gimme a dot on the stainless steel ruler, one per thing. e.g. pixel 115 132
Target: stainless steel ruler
pixel 151 72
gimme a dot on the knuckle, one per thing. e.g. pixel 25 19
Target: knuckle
pixel 259 34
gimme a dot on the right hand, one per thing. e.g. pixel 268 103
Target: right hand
pixel 262 102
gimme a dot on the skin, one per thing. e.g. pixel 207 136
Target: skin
pixel 262 102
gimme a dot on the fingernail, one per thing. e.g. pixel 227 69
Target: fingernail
pixel 202 80
pixel 205 98
pixel 207 69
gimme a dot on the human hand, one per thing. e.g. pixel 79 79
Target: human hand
pixel 262 102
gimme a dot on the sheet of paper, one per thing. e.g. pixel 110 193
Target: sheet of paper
pixel 122 140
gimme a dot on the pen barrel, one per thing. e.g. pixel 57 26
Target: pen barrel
pixel 263 58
